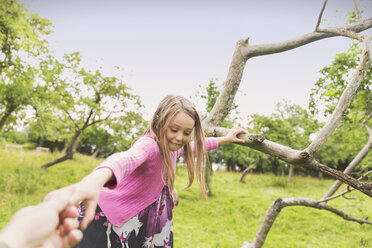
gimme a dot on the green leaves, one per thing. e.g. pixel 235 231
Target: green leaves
pixel 22 48
pixel 333 81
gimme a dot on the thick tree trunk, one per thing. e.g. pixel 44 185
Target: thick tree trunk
pixel 56 161
pixel 246 172
pixel 6 115
pixel 290 173
pixel 70 151
pixel 208 177
pixel 95 153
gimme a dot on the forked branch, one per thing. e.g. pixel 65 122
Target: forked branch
pixel 279 204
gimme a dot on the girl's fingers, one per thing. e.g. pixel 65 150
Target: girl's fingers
pixel 236 131
pixel 90 209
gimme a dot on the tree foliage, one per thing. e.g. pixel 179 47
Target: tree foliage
pixel 81 99
pixel 22 47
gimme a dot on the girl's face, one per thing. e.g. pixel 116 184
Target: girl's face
pixel 179 131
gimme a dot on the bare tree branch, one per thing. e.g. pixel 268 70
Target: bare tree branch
pixel 344 101
pixel 279 204
pixel 358 158
pixel 258 142
pixel 244 51
pixel 292 156
pixel 320 15
pixel 338 195
pixel 343 32
pixel 73 121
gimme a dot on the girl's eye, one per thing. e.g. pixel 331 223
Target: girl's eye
pixel 173 130
pixel 187 134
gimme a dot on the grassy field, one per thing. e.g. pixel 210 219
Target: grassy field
pixel 232 215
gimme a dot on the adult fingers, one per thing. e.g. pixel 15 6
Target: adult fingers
pixel 73 238
pixel 69 212
pixel 69 224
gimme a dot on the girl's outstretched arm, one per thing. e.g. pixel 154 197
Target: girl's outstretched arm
pixel 232 136
pixel 86 191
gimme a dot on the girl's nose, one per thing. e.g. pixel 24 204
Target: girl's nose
pixel 179 136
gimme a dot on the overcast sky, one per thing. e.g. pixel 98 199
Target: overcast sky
pixel 171 47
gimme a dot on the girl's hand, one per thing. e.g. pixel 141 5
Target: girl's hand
pixel 86 191
pixel 232 136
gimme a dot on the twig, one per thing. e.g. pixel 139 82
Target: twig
pixel 338 195
pixel 320 15
pixel 343 32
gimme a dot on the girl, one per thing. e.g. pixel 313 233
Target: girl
pixel 135 189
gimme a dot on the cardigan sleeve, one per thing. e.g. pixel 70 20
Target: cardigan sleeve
pixel 123 163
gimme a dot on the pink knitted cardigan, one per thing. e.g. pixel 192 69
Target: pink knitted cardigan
pixel 138 182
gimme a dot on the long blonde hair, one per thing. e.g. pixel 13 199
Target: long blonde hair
pixel 195 161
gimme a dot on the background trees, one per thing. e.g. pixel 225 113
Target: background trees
pixel 84 99
pixel 22 48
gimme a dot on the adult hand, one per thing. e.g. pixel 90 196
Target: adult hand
pixel 50 224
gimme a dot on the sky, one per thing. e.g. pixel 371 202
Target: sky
pixel 172 47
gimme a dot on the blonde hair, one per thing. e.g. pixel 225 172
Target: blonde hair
pixel 196 162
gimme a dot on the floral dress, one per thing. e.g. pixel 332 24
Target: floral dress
pixel 151 227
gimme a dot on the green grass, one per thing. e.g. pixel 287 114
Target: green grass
pixel 233 214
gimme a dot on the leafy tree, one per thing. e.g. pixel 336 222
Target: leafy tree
pixel 83 99
pixel 21 49
pixel 332 83
pixel 116 134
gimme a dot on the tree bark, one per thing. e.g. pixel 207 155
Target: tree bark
pixel 6 115
pixel 290 173
pixel 56 161
pixel 246 172
pixel 279 204
pixel 295 157
pixel 344 101
pixel 70 151
pixel 95 153
pixel 361 155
